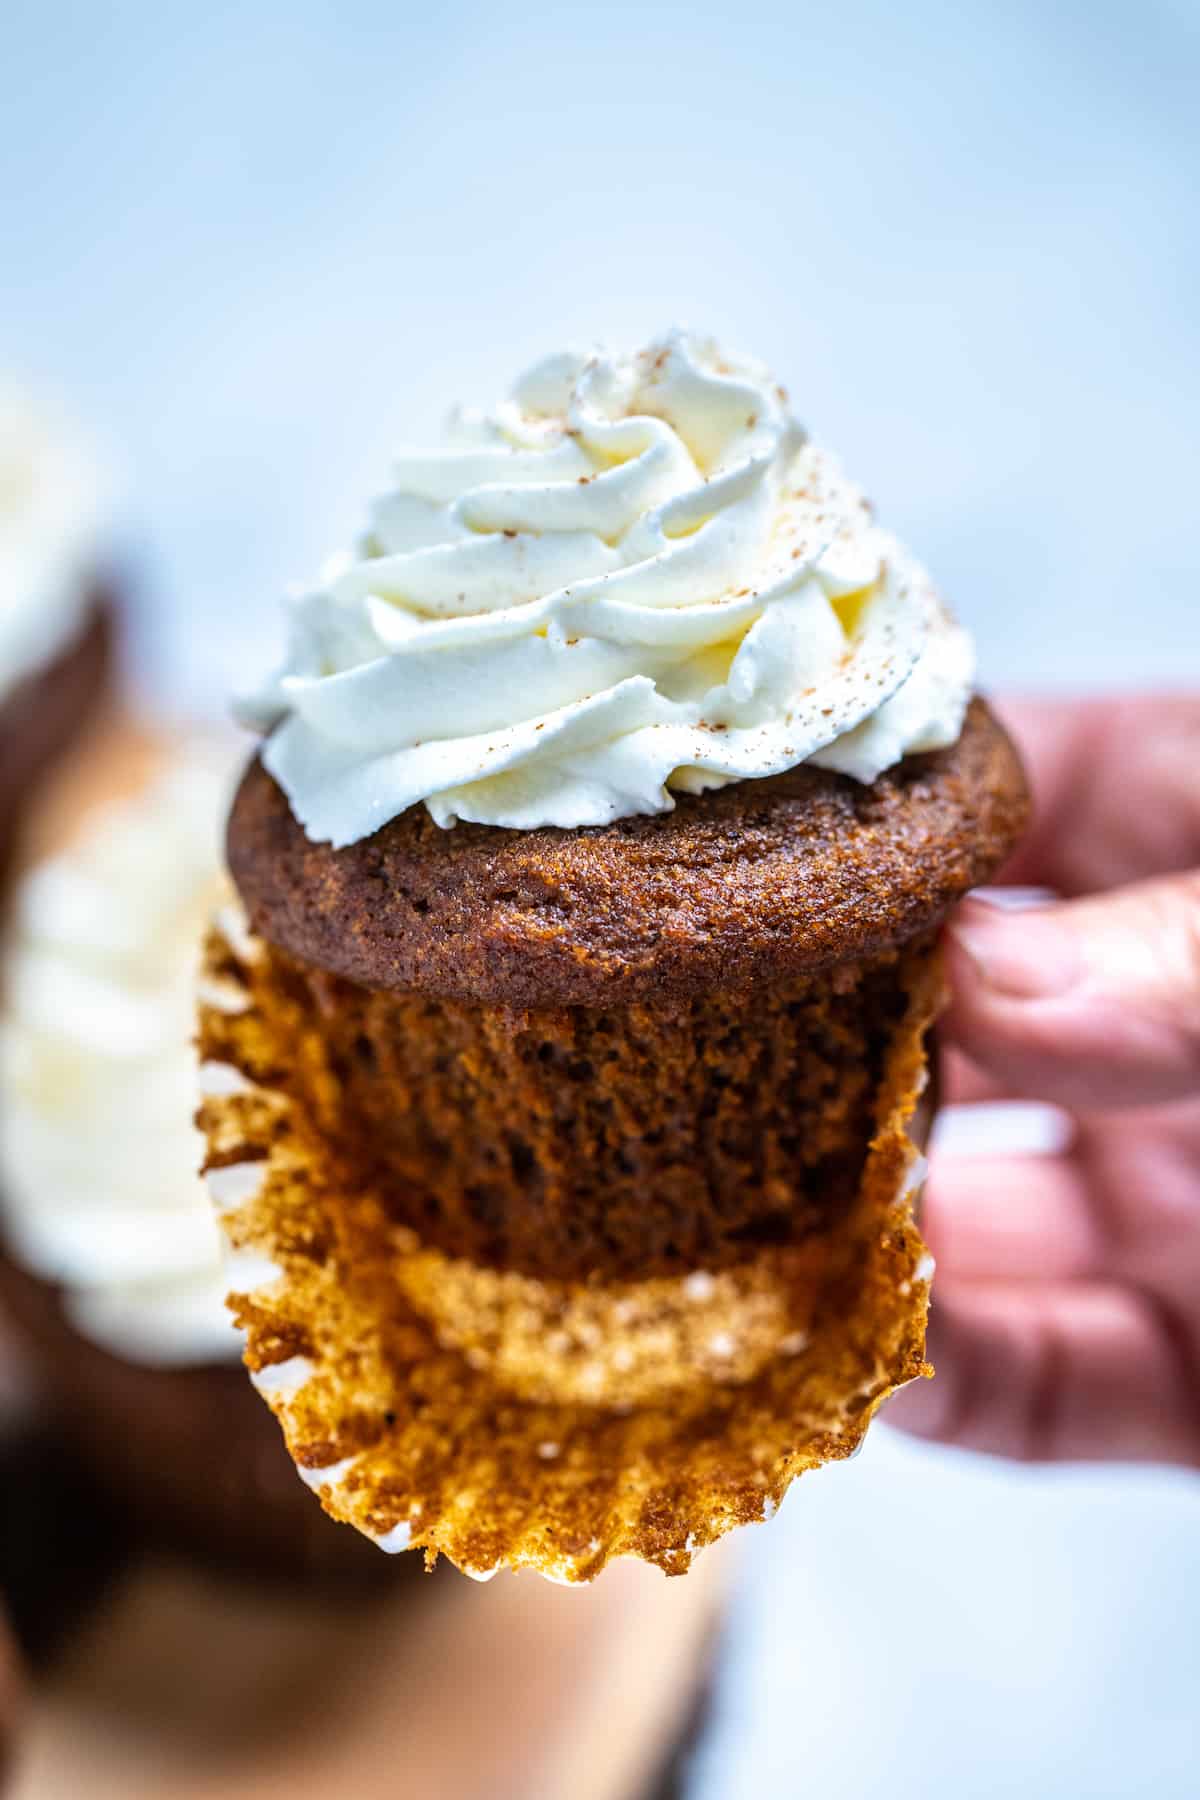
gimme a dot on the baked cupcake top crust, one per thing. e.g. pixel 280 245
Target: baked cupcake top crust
pixel 755 881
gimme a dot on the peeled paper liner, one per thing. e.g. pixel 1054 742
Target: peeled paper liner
pixel 507 1422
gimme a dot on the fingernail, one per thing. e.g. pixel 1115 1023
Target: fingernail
pixel 1022 956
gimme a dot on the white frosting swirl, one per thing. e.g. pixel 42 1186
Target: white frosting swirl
pixel 99 1159
pixel 49 523
pixel 635 575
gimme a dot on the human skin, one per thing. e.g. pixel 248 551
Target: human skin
pixel 1066 1313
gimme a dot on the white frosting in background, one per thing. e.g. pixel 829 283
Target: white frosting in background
pixel 99 1159
pixel 635 575
pixel 50 511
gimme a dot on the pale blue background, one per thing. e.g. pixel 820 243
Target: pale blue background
pixel 257 245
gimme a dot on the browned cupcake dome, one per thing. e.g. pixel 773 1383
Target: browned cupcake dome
pixel 761 880
pixel 45 714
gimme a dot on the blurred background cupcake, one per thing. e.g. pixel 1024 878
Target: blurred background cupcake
pixel 111 1276
pixel 55 598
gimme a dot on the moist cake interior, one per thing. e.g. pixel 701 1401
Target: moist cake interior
pixel 580 1142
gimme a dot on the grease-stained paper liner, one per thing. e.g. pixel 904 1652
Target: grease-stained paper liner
pixel 504 1421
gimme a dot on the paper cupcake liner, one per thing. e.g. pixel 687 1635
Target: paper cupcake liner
pixel 503 1421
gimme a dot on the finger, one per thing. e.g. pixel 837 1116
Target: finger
pixel 1005 1218
pixel 962 1087
pixel 1088 1004
pixel 1117 1200
pixel 963 1083
pixel 1115 793
pixel 1051 1373
pixel 1140 1169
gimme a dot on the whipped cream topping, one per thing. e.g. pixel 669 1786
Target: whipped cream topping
pixel 50 516
pixel 99 1159
pixel 636 575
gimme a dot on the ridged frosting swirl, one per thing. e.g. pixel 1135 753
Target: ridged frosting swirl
pixel 635 575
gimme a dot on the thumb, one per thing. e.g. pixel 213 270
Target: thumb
pixel 1088 1003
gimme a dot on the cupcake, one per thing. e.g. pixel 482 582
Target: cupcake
pixel 54 606
pixel 615 788
pixel 111 1275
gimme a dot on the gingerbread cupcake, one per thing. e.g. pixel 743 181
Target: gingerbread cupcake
pixel 110 1276
pixel 615 791
pixel 55 607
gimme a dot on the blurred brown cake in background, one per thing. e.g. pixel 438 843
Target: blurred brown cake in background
pixel 56 605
